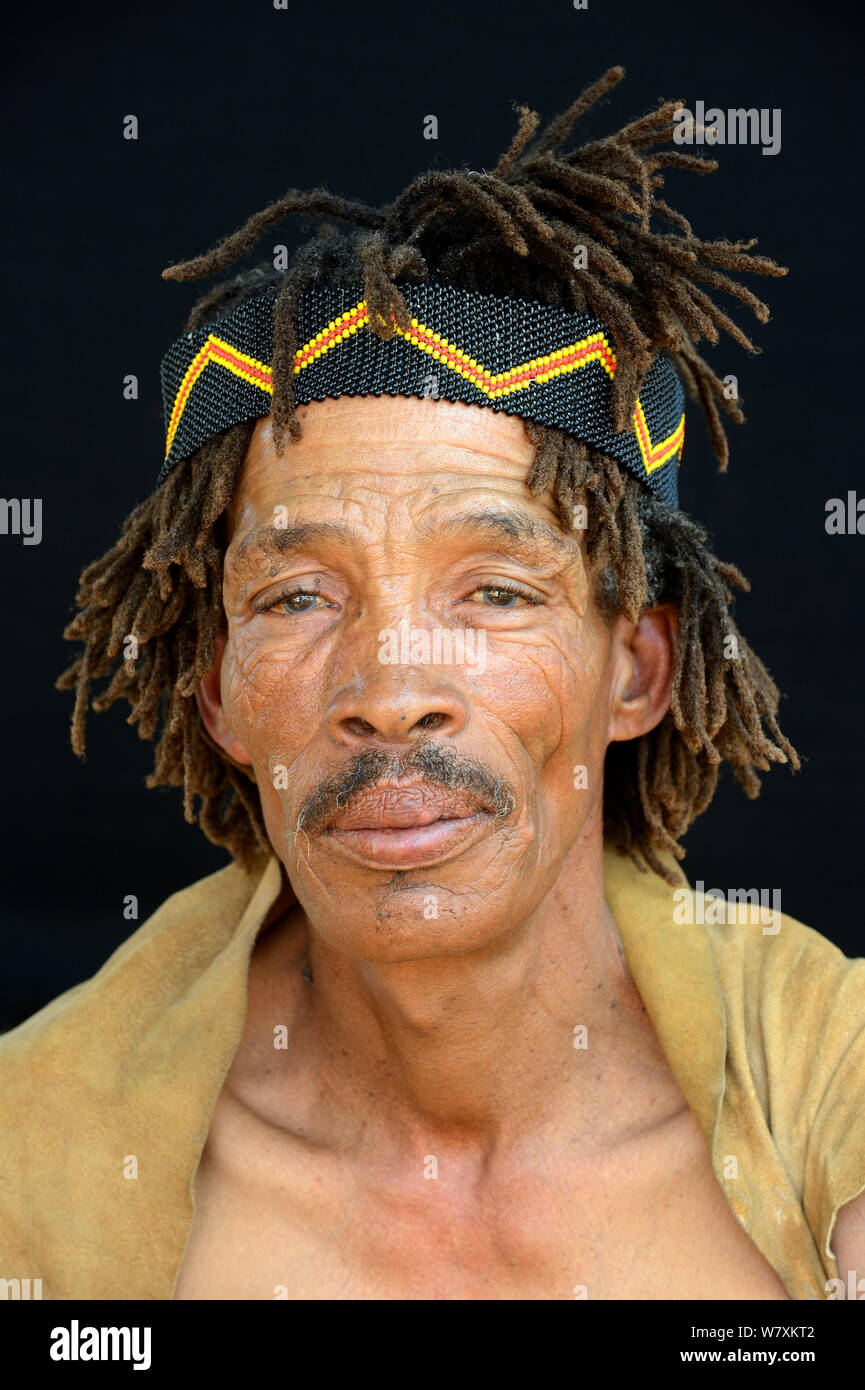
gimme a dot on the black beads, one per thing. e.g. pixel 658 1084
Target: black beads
pixel 527 359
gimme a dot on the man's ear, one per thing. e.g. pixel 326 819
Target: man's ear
pixel 643 656
pixel 208 697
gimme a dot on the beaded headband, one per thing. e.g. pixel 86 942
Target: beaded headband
pixel 544 364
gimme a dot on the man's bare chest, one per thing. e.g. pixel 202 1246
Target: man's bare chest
pixel 646 1220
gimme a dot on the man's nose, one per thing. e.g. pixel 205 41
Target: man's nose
pixel 397 704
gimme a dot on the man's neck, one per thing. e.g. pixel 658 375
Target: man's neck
pixel 471 1053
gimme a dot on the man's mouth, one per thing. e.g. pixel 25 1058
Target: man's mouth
pixel 401 825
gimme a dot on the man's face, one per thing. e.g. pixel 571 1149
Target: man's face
pixel 417 672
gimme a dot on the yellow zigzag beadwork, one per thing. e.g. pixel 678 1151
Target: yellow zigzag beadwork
pixel 594 348
pixel 216 350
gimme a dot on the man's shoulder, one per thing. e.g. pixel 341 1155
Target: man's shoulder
pixel 794 1007
pixel 736 945
pixel 125 1063
pixel 773 960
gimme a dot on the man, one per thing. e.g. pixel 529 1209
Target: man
pixel 416 617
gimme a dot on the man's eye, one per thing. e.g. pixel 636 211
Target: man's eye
pixel 498 596
pixel 298 601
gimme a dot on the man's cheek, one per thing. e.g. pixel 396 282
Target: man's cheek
pixel 545 691
pixel 565 721
pixel 268 701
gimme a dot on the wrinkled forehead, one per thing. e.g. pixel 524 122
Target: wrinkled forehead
pixel 379 452
pixel 392 478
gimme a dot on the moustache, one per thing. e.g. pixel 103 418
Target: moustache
pixel 439 766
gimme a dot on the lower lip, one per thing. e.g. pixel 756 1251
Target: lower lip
pixel 411 846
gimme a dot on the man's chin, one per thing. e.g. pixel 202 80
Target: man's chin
pixel 414 916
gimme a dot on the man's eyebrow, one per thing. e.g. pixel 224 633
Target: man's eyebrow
pixel 285 541
pixel 518 526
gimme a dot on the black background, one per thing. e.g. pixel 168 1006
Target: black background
pixel 236 103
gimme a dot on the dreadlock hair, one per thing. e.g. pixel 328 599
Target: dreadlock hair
pixel 511 231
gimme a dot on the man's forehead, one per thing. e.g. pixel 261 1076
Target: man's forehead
pixel 394 428
pixel 359 456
